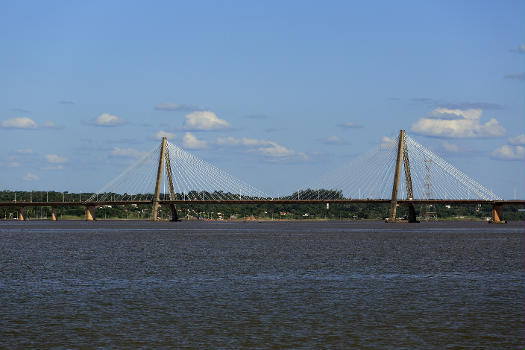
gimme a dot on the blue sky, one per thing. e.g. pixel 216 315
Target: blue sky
pixel 276 93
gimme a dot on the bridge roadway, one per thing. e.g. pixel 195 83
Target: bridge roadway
pixel 266 201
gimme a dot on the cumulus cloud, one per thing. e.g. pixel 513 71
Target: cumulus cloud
pixel 127 152
pixel 205 121
pixel 457 123
pixel 266 148
pixel 170 106
pixel 106 119
pixel 190 141
pixel 244 141
pixel 19 123
pixel 333 140
pixel 515 76
pixel 388 142
pixel 507 152
pixel 518 140
pixel 457 113
pixel 49 125
pixel 228 141
pixel 55 158
pixel 166 134
pixel 255 142
pixel 30 177
pixel 276 150
pixel 349 125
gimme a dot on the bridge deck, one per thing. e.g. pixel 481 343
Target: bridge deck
pixel 265 201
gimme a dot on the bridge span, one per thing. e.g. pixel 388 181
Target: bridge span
pixel 90 207
pixel 428 180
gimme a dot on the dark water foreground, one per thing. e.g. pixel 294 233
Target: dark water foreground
pixel 325 285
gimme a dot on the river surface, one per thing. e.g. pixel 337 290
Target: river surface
pixel 270 285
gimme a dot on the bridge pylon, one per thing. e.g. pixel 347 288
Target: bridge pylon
pixel 164 161
pixel 402 155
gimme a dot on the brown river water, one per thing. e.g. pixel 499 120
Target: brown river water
pixel 269 285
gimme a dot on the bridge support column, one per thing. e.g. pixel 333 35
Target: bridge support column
pixel 53 214
pixel 21 214
pixel 497 215
pixel 402 156
pixel 156 197
pixel 395 188
pixel 412 217
pixel 174 214
pixel 90 213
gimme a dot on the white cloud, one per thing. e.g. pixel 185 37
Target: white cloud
pixel 106 119
pixel 30 177
pixel 276 150
pixel 205 120
pixel 49 124
pixel 333 140
pixel 388 142
pixel 473 113
pixel 244 141
pixel 55 158
pixel 166 134
pixel 228 141
pixel 465 124
pixel 266 148
pixel 507 152
pixel 189 141
pixel 19 123
pixel 255 142
pixel 518 140
pixel 127 152
pixel 450 147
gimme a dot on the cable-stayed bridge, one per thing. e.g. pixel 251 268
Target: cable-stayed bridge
pixel 399 172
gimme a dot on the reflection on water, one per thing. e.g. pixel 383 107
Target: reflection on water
pixel 261 285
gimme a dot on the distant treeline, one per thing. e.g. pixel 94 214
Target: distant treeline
pixel 242 211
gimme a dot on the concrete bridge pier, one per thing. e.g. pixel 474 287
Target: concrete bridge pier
pixel 497 215
pixel 174 214
pixel 412 217
pixel 21 214
pixel 90 213
pixel 53 214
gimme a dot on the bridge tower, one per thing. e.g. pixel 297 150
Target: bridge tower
pixel 402 155
pixel 164 161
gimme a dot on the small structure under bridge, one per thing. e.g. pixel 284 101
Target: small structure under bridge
pixel 395 166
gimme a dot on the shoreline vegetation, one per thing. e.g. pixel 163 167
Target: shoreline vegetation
pixel 242 212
